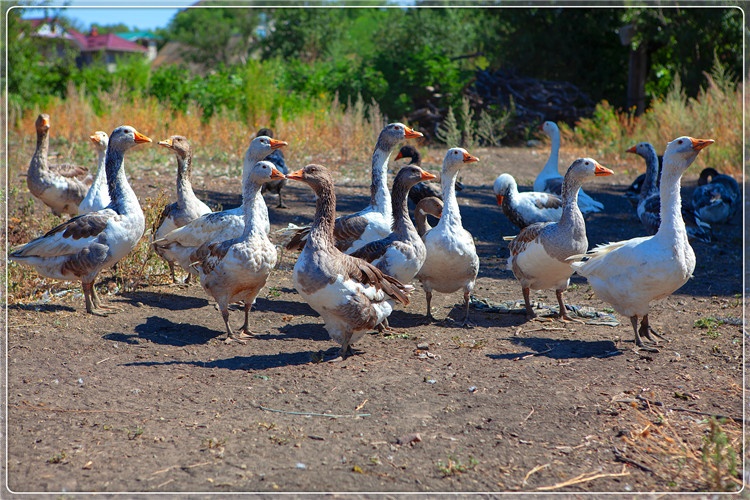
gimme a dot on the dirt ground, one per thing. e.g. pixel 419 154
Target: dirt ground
pixel 152 400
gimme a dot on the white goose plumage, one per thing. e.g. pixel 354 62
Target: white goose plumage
pixel 549 179
pixel 179 245
pixel 237 269
pixel 523 209
pixel 97 196
pixel 80 248
pixel 538 254
pixel 630 274
pixel 452 262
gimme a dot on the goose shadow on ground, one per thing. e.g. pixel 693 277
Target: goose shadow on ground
pixel 305 331
pixel 284 307
pixel 253 362
pixel 164 300
pixel 165 332
pixel 559 348
pixel 43 308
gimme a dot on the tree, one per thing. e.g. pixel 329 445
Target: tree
pixel 213 35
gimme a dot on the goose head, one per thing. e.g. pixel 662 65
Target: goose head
pixel 549 128
pixel 410 152
pixel 411 175
pixel 100 140
pixel 430 205
pixel 260 147
pixel 584 168
pixel 125 137
pixel 681 152
pixel 317 177
pixel 457 158
pixel 502 186
pixel 178 144
pixel 644 150
pixel 393 133
pixel 42 123
pixel 264 171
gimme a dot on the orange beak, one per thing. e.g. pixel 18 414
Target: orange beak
pixel 167 143
pixel 398 156
pixel 278 144
pixel 600 170
pixel 296 176
pixel 426 176
pixel 630 150
pixel 699 144
pixel 275 174
pixel 45 122
pixel 469 158
pixel 139 138
pixel 410 133
pixel 95 138
pixel 499 199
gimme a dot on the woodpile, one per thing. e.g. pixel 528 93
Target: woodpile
pixel 533 101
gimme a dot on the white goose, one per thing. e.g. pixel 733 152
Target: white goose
pixel 178 245
pixel 549 179
pixel 237 269
pixel 630 274
pixel 452 262
pixel 402 253
pixel 374 221
pixel 97 196
pixel 80 248
pixel 528 207
pixel 187 207
pixel 350 294
pixel 538 254
pixel 60 187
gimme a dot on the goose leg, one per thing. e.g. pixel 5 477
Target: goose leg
pixel 563 311
pixel 346 349
pixel 466 323
pixel 638 342
pixel 428 317
pixel 225 316
pixel 99 305
pixel 281 202
pixel 93 304
pixel 530 314
pixel 245 333
pixel 646 330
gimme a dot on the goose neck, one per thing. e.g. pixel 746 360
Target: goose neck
pixel 571 217
pixel 184 184
pixel 451 213
pixel 401 220
pixel 254 216
pixel 651 180
pixel 672 225
pixel 321 230
pixel 380 197
pixel 121 194
pixel 39 159
pixel 554 153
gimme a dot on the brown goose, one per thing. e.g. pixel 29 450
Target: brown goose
pixel 77 250
pixel 427 206
pixel 60 187
pixel 350 294
pixel 402 253
pixel 187 207
pixel 538 253
pixel 374 221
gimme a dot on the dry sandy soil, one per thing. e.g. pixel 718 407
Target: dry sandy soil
pixel 152 400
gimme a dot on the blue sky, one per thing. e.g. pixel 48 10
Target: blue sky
pixel 144 15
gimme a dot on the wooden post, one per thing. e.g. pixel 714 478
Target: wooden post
pixel 637 69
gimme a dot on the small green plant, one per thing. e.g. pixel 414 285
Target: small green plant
pixel 273 292
pixel 134 434
pixel 709 323
pixel 454 466
pixel 57 458
pixel 448 132
pixel 719 458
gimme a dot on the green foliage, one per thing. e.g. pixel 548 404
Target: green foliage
pixel 448 132
pixel 719 458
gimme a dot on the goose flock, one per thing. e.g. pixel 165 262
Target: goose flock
pixel 353 270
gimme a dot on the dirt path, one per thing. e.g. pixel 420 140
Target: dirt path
pixel 151 399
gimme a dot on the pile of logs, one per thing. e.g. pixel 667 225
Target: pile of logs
pixel 534 101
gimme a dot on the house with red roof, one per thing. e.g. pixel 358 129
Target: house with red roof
pixel 91 47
